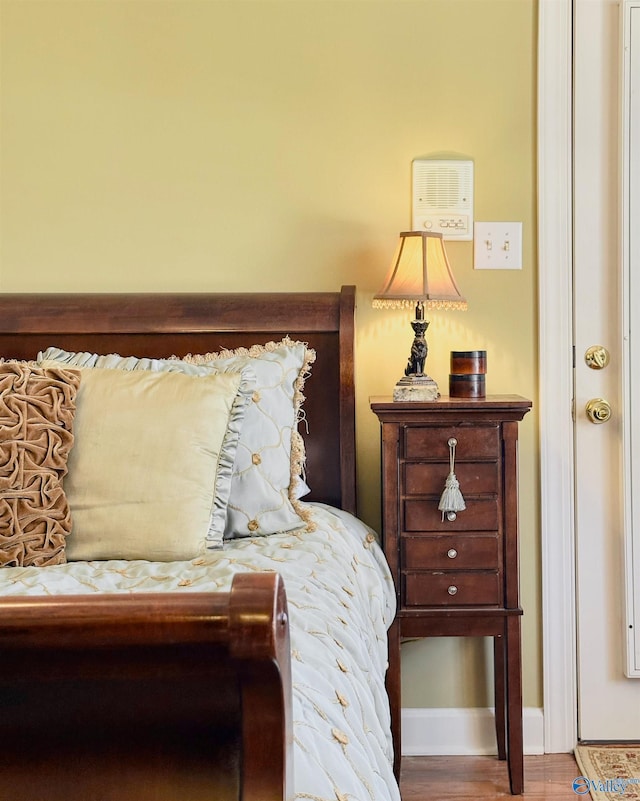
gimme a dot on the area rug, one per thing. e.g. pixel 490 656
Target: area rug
pixel 608 772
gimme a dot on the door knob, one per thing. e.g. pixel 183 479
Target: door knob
pixel 598 410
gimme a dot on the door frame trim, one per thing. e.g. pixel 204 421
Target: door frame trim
pixel 630 384
pixel 555 371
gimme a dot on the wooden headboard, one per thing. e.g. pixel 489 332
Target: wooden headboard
pixel 160 325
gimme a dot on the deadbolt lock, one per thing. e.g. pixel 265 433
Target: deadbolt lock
pixel 598 410
pixel 596 357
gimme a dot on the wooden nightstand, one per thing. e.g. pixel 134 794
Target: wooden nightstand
pixel 456 577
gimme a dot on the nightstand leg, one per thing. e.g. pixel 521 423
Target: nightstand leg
pixel 500 697
pixel 514 705
pixel 393 682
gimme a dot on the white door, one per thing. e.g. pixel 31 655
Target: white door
pixel 608 701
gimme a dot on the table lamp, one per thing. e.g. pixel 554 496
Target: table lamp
pixel 420 274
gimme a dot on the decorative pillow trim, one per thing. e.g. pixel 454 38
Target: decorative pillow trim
pixel 298 455
pixel 113 361
pixel 227 459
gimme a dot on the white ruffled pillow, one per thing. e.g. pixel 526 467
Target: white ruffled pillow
pixel 266 481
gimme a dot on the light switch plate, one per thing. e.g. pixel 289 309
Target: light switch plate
pixel 497 246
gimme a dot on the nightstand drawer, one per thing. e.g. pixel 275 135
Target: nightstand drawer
pixel 431 442
pixel 428 478
pixel 481 514
pixel 451 552
pixel 452 589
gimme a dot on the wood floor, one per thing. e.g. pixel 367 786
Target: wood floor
pixel 483 777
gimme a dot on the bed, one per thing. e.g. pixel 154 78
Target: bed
pixel 252 667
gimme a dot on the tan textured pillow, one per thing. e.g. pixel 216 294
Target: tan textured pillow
pixel 142 475
pixel 37 407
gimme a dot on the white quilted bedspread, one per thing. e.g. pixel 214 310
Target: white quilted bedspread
pixel 341 601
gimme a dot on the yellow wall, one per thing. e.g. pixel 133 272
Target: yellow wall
pixel 267 144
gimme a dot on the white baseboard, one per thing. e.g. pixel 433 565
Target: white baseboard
pixel 463 732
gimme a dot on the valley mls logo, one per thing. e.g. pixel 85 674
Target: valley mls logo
pixel 582 785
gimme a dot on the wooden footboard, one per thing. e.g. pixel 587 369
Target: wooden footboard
pixel 152 697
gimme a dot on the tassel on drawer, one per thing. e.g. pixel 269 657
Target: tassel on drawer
pixel 451 500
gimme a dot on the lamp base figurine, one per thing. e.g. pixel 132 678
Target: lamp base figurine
pixel 416 385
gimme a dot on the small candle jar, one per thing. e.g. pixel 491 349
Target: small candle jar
pixel 467 362
pixel 467 385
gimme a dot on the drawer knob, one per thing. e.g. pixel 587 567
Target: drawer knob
pixel 451 515
pixel 452 553
pixel 452 590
